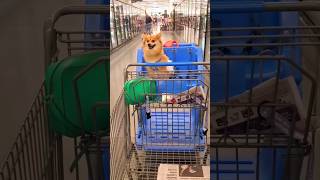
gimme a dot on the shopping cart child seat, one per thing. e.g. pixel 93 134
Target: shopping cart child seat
pixel 185 52
pixel 174 129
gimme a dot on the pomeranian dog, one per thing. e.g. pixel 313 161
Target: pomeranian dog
pixel 153 53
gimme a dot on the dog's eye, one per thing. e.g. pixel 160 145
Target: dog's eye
pixel 147 40
pixel 152 41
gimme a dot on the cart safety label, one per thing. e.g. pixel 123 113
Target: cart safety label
pixel 183 172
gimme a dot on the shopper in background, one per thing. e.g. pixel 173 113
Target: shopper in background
pixel 165 21
pixel 169 23
pixel 159 19
pixel 154 20
pixel 148 24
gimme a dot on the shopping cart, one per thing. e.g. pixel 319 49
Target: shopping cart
pixel 188 76
pixel 38 152
pixel 172 132
pixel 259 131
pixel 172 127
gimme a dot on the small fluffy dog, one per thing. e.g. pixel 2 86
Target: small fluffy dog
pixel 153 53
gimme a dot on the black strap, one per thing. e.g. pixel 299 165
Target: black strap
pixel 259 109
pixel 83 150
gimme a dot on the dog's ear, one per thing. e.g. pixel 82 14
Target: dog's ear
pixel 158 36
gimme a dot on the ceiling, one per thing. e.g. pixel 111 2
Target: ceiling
pixel 153 6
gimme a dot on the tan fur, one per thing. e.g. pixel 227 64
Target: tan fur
pixel 153 54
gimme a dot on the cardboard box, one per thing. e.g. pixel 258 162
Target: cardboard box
pixel 183 172
pixel 193 95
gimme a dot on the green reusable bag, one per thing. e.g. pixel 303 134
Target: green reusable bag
pixel 137 89
pixel 93 88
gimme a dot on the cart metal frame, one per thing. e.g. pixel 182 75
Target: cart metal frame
pixel 128 159
pixel 37 152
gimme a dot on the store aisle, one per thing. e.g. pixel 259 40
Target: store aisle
pixel 121 58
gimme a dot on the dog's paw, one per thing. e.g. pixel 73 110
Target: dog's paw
pixel 171 72
pixel 153 76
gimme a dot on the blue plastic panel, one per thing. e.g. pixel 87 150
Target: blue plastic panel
pixel 240 72
pixel 186 52
pixel 170 131
pixel 96 22
pixel 106 163
pixel 247 163
pixel 175 87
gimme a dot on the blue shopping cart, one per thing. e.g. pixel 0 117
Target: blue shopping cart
pixel 174 126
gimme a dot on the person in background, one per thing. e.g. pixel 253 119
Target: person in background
pixel 154 20
pixel 166 21
pixel 148 24
pixel 155 23
pixel 169 23
pixel 159 19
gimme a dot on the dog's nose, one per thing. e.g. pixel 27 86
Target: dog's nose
pixel 149 45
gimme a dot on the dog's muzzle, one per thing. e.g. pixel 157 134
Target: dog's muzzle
pixel 151 46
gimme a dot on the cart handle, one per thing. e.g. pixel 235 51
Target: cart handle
pixel 89 9
pixel 49 32
pixel 205 64
pixel 170 64
pixel 245 7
